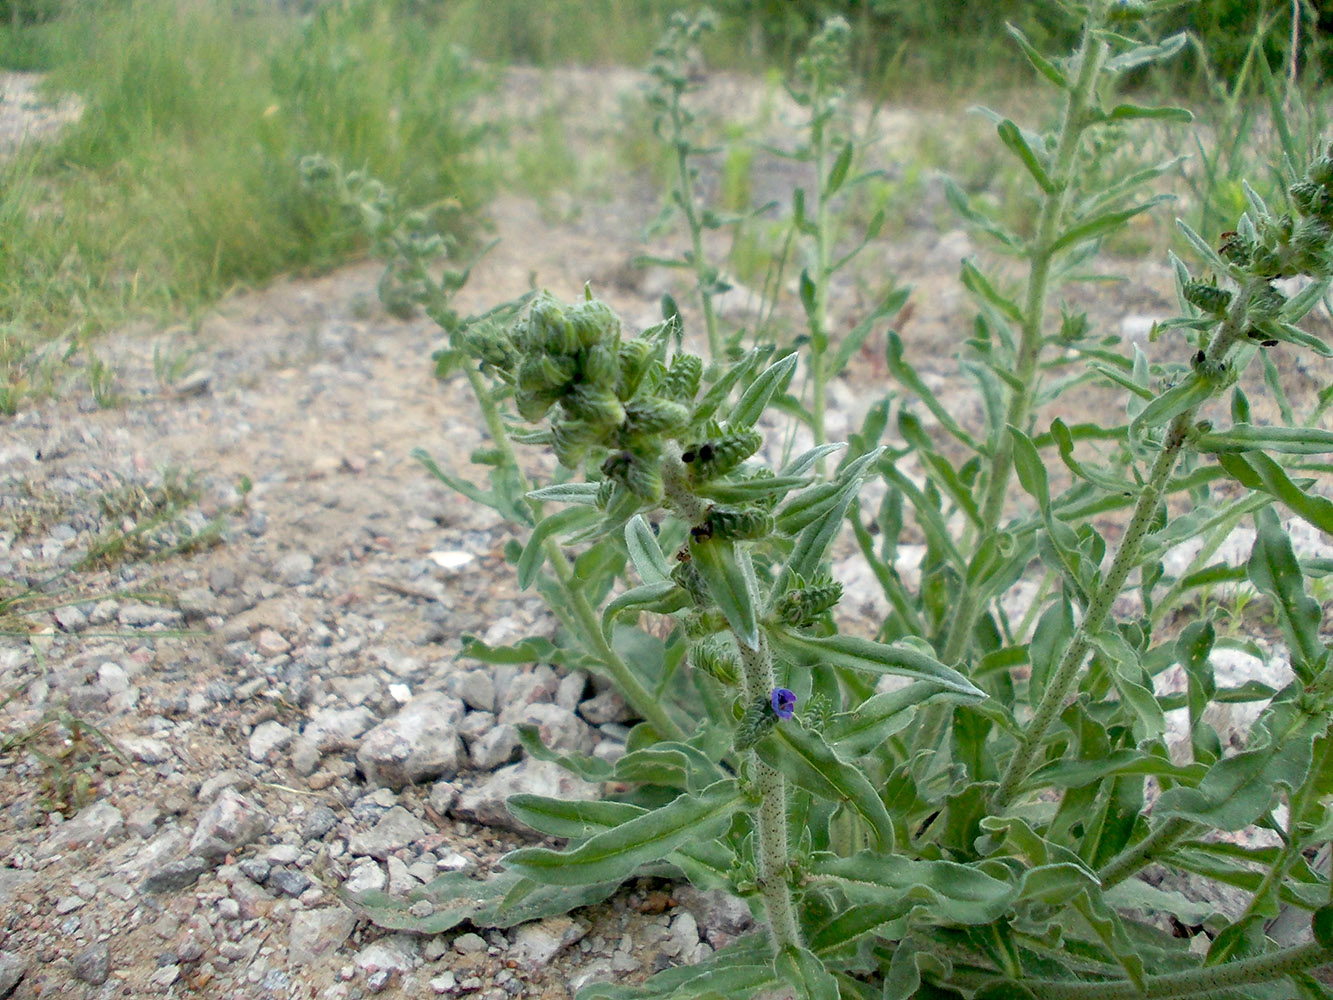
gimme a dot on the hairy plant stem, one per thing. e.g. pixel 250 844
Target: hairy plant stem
pixel 771 850
pixel 583 620
pixel 1073 122
pixel 1136 857
pixel 1211 979
pixel 1126 558
pixel 685 192
pixel 819 315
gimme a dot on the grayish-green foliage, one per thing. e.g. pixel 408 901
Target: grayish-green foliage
pixel 979 831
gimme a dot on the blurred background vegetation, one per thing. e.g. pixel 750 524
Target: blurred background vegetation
pixel 181 179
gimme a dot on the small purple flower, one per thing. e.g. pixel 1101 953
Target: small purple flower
pixel 783 702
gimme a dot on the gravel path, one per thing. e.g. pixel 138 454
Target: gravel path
pixel 271 640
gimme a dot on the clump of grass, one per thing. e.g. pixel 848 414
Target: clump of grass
pixel 181 179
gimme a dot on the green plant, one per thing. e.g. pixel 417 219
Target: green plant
pixel 180 181
pixel 978 831
pixel 102 382
pixel 69 750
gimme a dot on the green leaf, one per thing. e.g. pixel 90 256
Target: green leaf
pixel 615 854
pixel 1321 924
pixel 535 649
pixel 1078 773
pixel 1126 112
pixel 750 407
pixel 808 292
pixel 1194 390
pixel 850 344
pixel 963 206
pixel 803 757
pixel 579 493
pixel 976 283
pixel 1259 472
pixel 1012 137
pixel 807 460
pixel 588 768
pixel 644 551
pixel 1049 639
pixel 877 718
pixel 1031 469
pixel 1274 570
pixel 1204 249
pixel 574 819
pixel 815 538
pixel 1143 54
pixel 949 892
pixel 747 490
pixel 498 901
pixel 1238 790
pixel 729 576
pixel 838 173
pixel 664 598
pixel 855 653
pixel 907 375
pixel 802 968
pixel 534 555
pixel 1099 225
pixel 1039 62
pixel 743 968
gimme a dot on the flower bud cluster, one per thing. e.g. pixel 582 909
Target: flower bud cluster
pixel 805 602
pixel 1286 245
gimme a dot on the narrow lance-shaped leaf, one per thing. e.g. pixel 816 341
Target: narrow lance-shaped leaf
pixel 1143 54
pixel 1012 137
pixel 575 819
pixel 1125 112
pixel 1088 229
pixel 856 653
pixel 1031 469
pixel 1275 571
pixel 1287 440
pixel 977 283
pixel 814 540
pixel 804 757
pixel 503 900
pixel 907 375
pixel 803 970
pixel 663 597
pixel 729 576
pixel 838 172
pixel 750 407
pixel 530 562
pixel 950 892
pixel 616 854
pixel 644 551
pixel 879 717
pixel 1191 392
pixel 579 493
pixel 1039 62
pixel 1259 472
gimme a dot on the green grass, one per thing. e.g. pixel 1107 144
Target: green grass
pixel 181 180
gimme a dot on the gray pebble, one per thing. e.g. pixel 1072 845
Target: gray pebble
pixel 175 875
pixel 142 615
pixel 294 569
pixel 12 968
pixel 289 881
pixel 318 822
pixel 255 869
pixel 396 829
pixel 417 744
pixel 93 964
pixel 232 821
